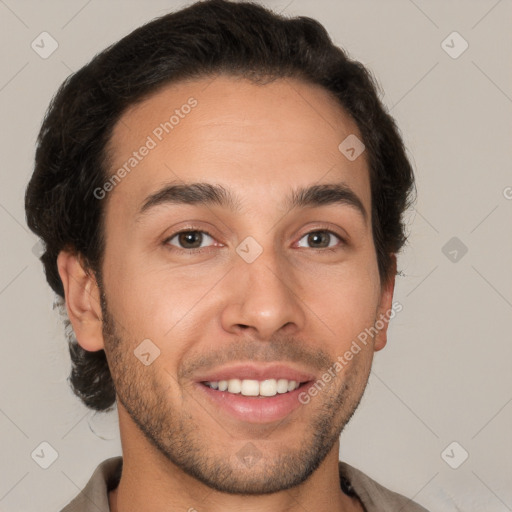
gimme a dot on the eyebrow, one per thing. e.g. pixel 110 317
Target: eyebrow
pixel 217 195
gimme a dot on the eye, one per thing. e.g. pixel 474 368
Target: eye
pixel 192 239
pixel 321 239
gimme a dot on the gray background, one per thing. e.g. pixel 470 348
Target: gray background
pixel 444 376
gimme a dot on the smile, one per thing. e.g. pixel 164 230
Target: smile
pixel 251 387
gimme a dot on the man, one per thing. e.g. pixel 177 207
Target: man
pixel 220 195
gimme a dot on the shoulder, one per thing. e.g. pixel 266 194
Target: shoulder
pixel 375 497
pixel 94 496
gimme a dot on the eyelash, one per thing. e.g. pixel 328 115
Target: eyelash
pixel 202 249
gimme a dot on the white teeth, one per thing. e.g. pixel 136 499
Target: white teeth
pixel 282 386
pixel 268 387
pixel 250 387
pixel 234 385
pixel 291 385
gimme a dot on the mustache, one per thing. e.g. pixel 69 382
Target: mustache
pixel 282 349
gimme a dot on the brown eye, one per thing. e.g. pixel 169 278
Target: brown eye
pixel 321 239
pixel 189 239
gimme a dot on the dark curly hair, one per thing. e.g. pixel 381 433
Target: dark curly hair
pixel 206 39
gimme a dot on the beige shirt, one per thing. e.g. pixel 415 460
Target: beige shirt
pixel 374 497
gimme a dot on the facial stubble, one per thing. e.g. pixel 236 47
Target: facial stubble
pixel 181 440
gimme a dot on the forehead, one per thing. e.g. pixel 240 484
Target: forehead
pixel 260 140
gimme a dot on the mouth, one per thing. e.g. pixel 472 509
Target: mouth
pixel 253 394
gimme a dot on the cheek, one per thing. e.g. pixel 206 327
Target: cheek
pixel 344 299
pixel 157 302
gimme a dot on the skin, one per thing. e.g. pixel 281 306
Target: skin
pixel 297 302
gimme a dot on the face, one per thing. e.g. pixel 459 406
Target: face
pixel 242 281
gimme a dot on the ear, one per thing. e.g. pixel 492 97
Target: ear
pixel 385 310
pixel 83 305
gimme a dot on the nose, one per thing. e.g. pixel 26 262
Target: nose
pixel 263 297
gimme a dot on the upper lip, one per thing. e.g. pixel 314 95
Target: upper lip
pixel 255 372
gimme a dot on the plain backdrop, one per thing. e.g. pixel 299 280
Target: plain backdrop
pixel 442 388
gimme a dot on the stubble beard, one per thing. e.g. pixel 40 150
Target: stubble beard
pixel 182 442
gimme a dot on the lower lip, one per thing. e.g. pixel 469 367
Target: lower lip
pixel 254 409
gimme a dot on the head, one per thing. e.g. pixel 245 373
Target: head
pixel 253 108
